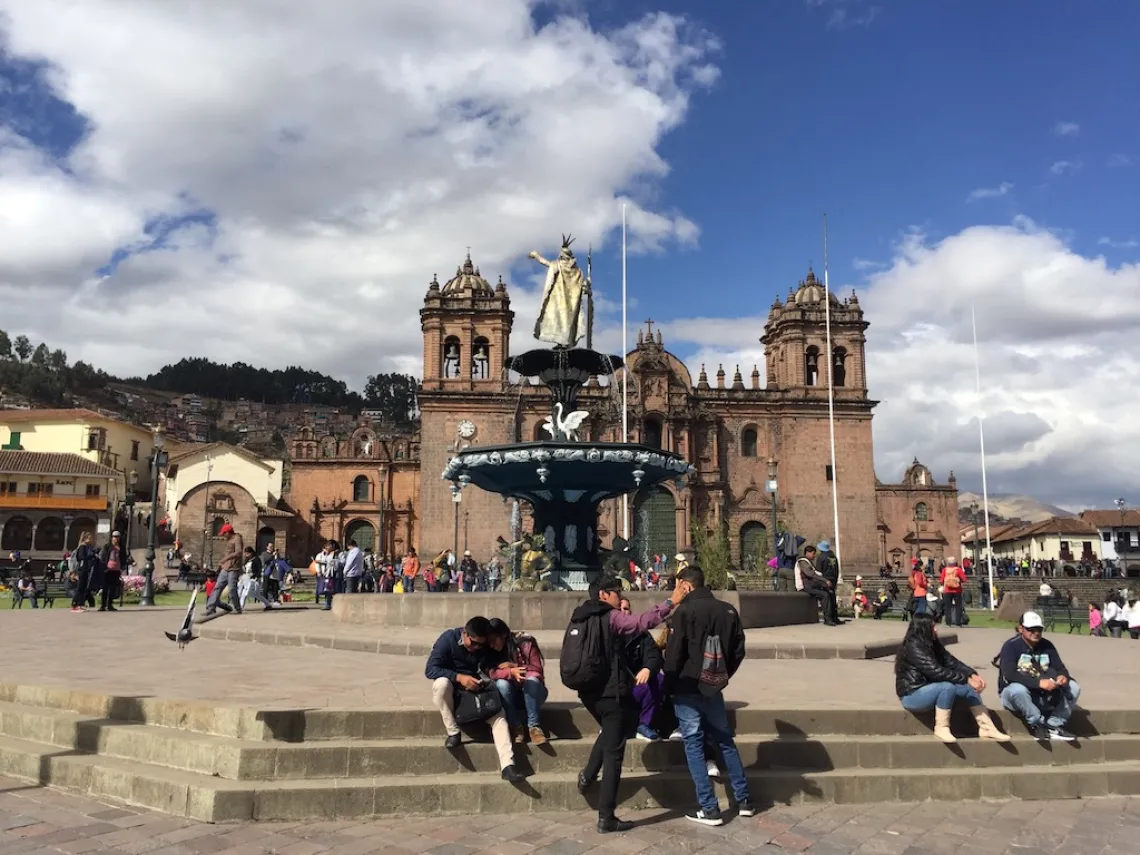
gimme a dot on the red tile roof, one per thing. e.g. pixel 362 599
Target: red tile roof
pixel 1056 525
pixel 49 463
pixel 1110 519
pixel 59 415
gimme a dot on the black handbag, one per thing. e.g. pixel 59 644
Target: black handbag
pixel 479 705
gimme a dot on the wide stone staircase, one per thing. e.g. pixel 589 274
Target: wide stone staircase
pixel 219 764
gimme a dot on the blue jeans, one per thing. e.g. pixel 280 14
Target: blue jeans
pixel 1018 699
pixel 696 714
pixel 941 695
pixel 533 694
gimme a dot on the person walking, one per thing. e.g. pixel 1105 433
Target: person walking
pixel 88 574
pixel 704 650
pixel 593 663
pixel 115 560
pixel 228 570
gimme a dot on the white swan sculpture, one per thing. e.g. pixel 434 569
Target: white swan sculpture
pixel 555 424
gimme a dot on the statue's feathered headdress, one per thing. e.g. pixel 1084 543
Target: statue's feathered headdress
pixel 567 240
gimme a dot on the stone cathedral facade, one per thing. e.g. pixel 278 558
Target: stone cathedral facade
pixel 386 491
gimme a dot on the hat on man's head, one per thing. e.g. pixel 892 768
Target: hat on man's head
pixel 1032 620
pixel 823 546
pixel 115 534
pixel 467 553
pixel 226 529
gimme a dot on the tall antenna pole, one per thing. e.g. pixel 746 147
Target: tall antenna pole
pixel 982 449
pixel 625 377
pixel 831 398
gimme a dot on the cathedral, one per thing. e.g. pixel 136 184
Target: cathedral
pixel 743 437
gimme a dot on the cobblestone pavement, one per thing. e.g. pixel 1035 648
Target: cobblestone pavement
pixel 35 820
pixel 135 659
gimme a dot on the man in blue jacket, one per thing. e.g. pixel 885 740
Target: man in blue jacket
pixel 1034 683
pixel 456 664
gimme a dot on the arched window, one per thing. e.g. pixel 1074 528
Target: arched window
pixel 481 359
pixel 748 442
pixel 49 535
pixel 361 489
pixel 17 534
pixel 452 357
pixel 216 527
pixel 811 366
pixel 652 433
pixel 839 366
pixel 920 512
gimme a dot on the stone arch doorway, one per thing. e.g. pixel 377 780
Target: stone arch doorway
pixel 654 524
pixel 363 532
pixel 17 535
pixel 49 535
pixel 753 546
pixel 266 536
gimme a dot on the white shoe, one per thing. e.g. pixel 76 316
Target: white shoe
pixel 713 771
pixel 675 736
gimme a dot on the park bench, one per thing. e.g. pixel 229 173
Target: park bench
pixel 1054 609
pixel 46 593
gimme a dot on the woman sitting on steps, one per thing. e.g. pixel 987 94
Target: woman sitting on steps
pixel 927 676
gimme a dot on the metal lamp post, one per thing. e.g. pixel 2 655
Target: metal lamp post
pixel 974 515
pixel 772 485
pixel 157 460
pixel 1120 506
pixel 457 499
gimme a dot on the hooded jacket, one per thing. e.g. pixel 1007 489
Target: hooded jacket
pixel 619 629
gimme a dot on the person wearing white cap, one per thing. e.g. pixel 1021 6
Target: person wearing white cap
pixel 1034 682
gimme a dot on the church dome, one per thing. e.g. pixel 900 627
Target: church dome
pixel 468 278
pixel 811 291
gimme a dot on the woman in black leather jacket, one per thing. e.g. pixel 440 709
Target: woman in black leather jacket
pixel 928 676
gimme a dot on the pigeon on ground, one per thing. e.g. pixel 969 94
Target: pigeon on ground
pixel 186 634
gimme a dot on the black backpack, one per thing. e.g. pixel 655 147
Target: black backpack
pixel 584 665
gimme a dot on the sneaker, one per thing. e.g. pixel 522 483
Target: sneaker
pixel 537 735
pixel 518 734
pixel 1039 732
pixel 1059 734
pixel 746 809
pixel 453 741
pixel 675 736
pixel 76 609
pixel 706 817
pixel 712 769
pixel 647 734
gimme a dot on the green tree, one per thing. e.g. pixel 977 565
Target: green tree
pixel 5 346
pixel 23 348
pixel 394 395
pixel 40 354
pixel 57 360
pixel 713 550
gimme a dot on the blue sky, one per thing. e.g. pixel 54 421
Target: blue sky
pixel 891 124
pixel 277 185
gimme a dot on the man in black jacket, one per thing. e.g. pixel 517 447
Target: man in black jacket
pixel 612 705
pixel 705 648
pixel 1034 683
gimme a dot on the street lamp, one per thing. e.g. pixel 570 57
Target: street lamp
pixel 158 459
pixel 974 516
pixel 772 485
pixel 457 499
pixel 1122 536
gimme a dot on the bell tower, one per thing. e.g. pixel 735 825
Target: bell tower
pixel 466 327
pixel 795 342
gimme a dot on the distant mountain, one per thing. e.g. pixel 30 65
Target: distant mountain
pixel 1009 506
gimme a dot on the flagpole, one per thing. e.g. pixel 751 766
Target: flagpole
pixel 982 449
pixel 831 398
pixel 625 377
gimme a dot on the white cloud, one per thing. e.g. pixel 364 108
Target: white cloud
pixel 1129 243
pixel 1055 329
pixel 1066 167
pixel 345 150
pixel 989 192
pixel 847 14
pixel 1119 160
pixel 865 264
pixel 1066 129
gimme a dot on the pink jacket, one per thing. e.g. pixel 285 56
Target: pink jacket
pixel 528 655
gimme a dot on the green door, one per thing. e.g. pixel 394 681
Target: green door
pixel 654 525
pixel 362 532
pixel 753 546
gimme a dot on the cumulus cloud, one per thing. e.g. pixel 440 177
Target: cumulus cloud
pixel 1053 328
pixel 1066 129
pixel 1117 161
pixel 1066 167
pixel 989 192
pixel 1129 243
pixel 257 166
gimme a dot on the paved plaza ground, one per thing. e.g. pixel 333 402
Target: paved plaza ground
pixel 125 653
pixel 38 821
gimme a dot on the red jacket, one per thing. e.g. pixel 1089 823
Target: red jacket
pixel 528 655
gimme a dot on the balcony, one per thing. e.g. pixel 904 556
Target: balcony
pixel 24 502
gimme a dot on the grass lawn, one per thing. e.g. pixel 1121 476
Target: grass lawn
pixel 985 619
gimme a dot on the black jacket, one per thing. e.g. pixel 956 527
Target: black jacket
pixel 827 566
pixel 699 616
pixel 1028 666
pixel 919 665
pixel 642 652
pixel 619 684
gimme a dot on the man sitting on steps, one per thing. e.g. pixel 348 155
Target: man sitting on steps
pixel 1034 683
pixel 456 662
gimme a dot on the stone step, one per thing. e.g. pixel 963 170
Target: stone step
pixel 214 799
pixel 249 760
pixel 564 720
